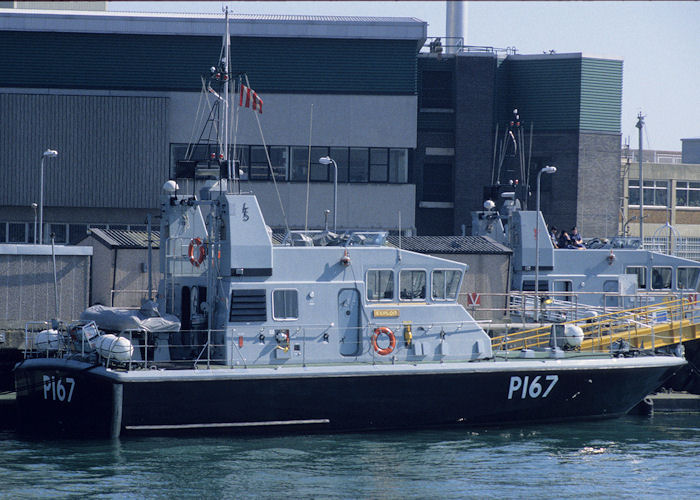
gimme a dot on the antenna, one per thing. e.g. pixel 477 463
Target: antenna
pixel 640 125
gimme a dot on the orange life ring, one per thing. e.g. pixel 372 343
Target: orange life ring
pixel 201 252
pixel 392 340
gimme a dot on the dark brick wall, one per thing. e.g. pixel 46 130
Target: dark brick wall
pixel 585 190
pixel 557 191
pixel 475 98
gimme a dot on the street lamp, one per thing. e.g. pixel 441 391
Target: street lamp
pixel 327 160
pixel 547 170
pixel 34 206
pixel 49 153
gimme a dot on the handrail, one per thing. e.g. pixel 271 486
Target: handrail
pixel 613 326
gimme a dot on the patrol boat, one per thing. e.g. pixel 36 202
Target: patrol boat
pixel 318 333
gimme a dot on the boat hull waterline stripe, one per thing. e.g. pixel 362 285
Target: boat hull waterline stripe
pixel 227 425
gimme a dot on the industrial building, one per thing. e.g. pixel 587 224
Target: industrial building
pixel 569 108
pixel 411 129
pixel 116 96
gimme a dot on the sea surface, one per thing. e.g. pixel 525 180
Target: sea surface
pixel 632 457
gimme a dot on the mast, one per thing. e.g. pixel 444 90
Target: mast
pixel 639 125
pixel 227 107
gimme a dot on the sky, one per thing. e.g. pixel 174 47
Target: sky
pixel 659 43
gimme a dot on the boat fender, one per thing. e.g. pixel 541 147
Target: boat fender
pixel 197 251
pixel 383 330
pixel 47 340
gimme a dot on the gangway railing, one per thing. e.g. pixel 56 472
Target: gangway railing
pixel 647 327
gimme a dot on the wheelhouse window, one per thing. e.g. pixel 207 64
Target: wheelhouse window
pixel 285 304
pixel 380 284
pixel 688 278
pixel 445 284
pixel 661 278
pixel 412 285
pixel 641 273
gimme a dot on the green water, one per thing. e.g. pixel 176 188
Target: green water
pixel 631 457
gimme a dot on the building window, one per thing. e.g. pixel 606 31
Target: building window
pixel 380 284
pixel 378 165
pixel 398 166
pixel 300 163
pixel 340 155
pixel 259 168
pixel 688 278
pixel 241 158
pixel 641 273
pixel 655 193
pixel 290 163
pixel 412 285
pixel 661 278
pixel 76 233
pixel 285 304
pixel 60 233
pixel 17 232
pixel 687 194
pixel 3 232
pixel 358 165
pixel 445 285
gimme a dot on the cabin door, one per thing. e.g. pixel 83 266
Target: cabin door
pixel 349 322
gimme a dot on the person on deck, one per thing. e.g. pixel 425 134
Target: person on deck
pixel 564 240
pixel 553 236
pixel 576 240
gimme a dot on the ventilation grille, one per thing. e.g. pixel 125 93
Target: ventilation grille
pixel 248 305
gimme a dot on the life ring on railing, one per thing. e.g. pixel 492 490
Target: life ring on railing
pixel 392 340
pixel 197 252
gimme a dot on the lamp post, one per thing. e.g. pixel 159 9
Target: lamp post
pixel 49 153
pixel 34 207
pixel 547 170
pixel 327 160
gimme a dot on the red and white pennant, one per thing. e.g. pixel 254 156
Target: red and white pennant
pixel 250 97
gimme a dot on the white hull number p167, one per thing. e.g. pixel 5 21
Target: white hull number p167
pixel 524 387
pixel 57 389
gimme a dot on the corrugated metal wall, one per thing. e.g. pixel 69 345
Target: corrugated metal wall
pixel 545 92
pixel 169 62
pixel 601 95
pixel 27 291
pixel 113 151
pixel 563 93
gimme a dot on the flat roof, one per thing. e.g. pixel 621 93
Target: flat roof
pixel 248 25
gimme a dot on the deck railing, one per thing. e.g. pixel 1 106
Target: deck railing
pixel 662 324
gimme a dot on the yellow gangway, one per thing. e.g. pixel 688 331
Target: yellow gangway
pixel 648 327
